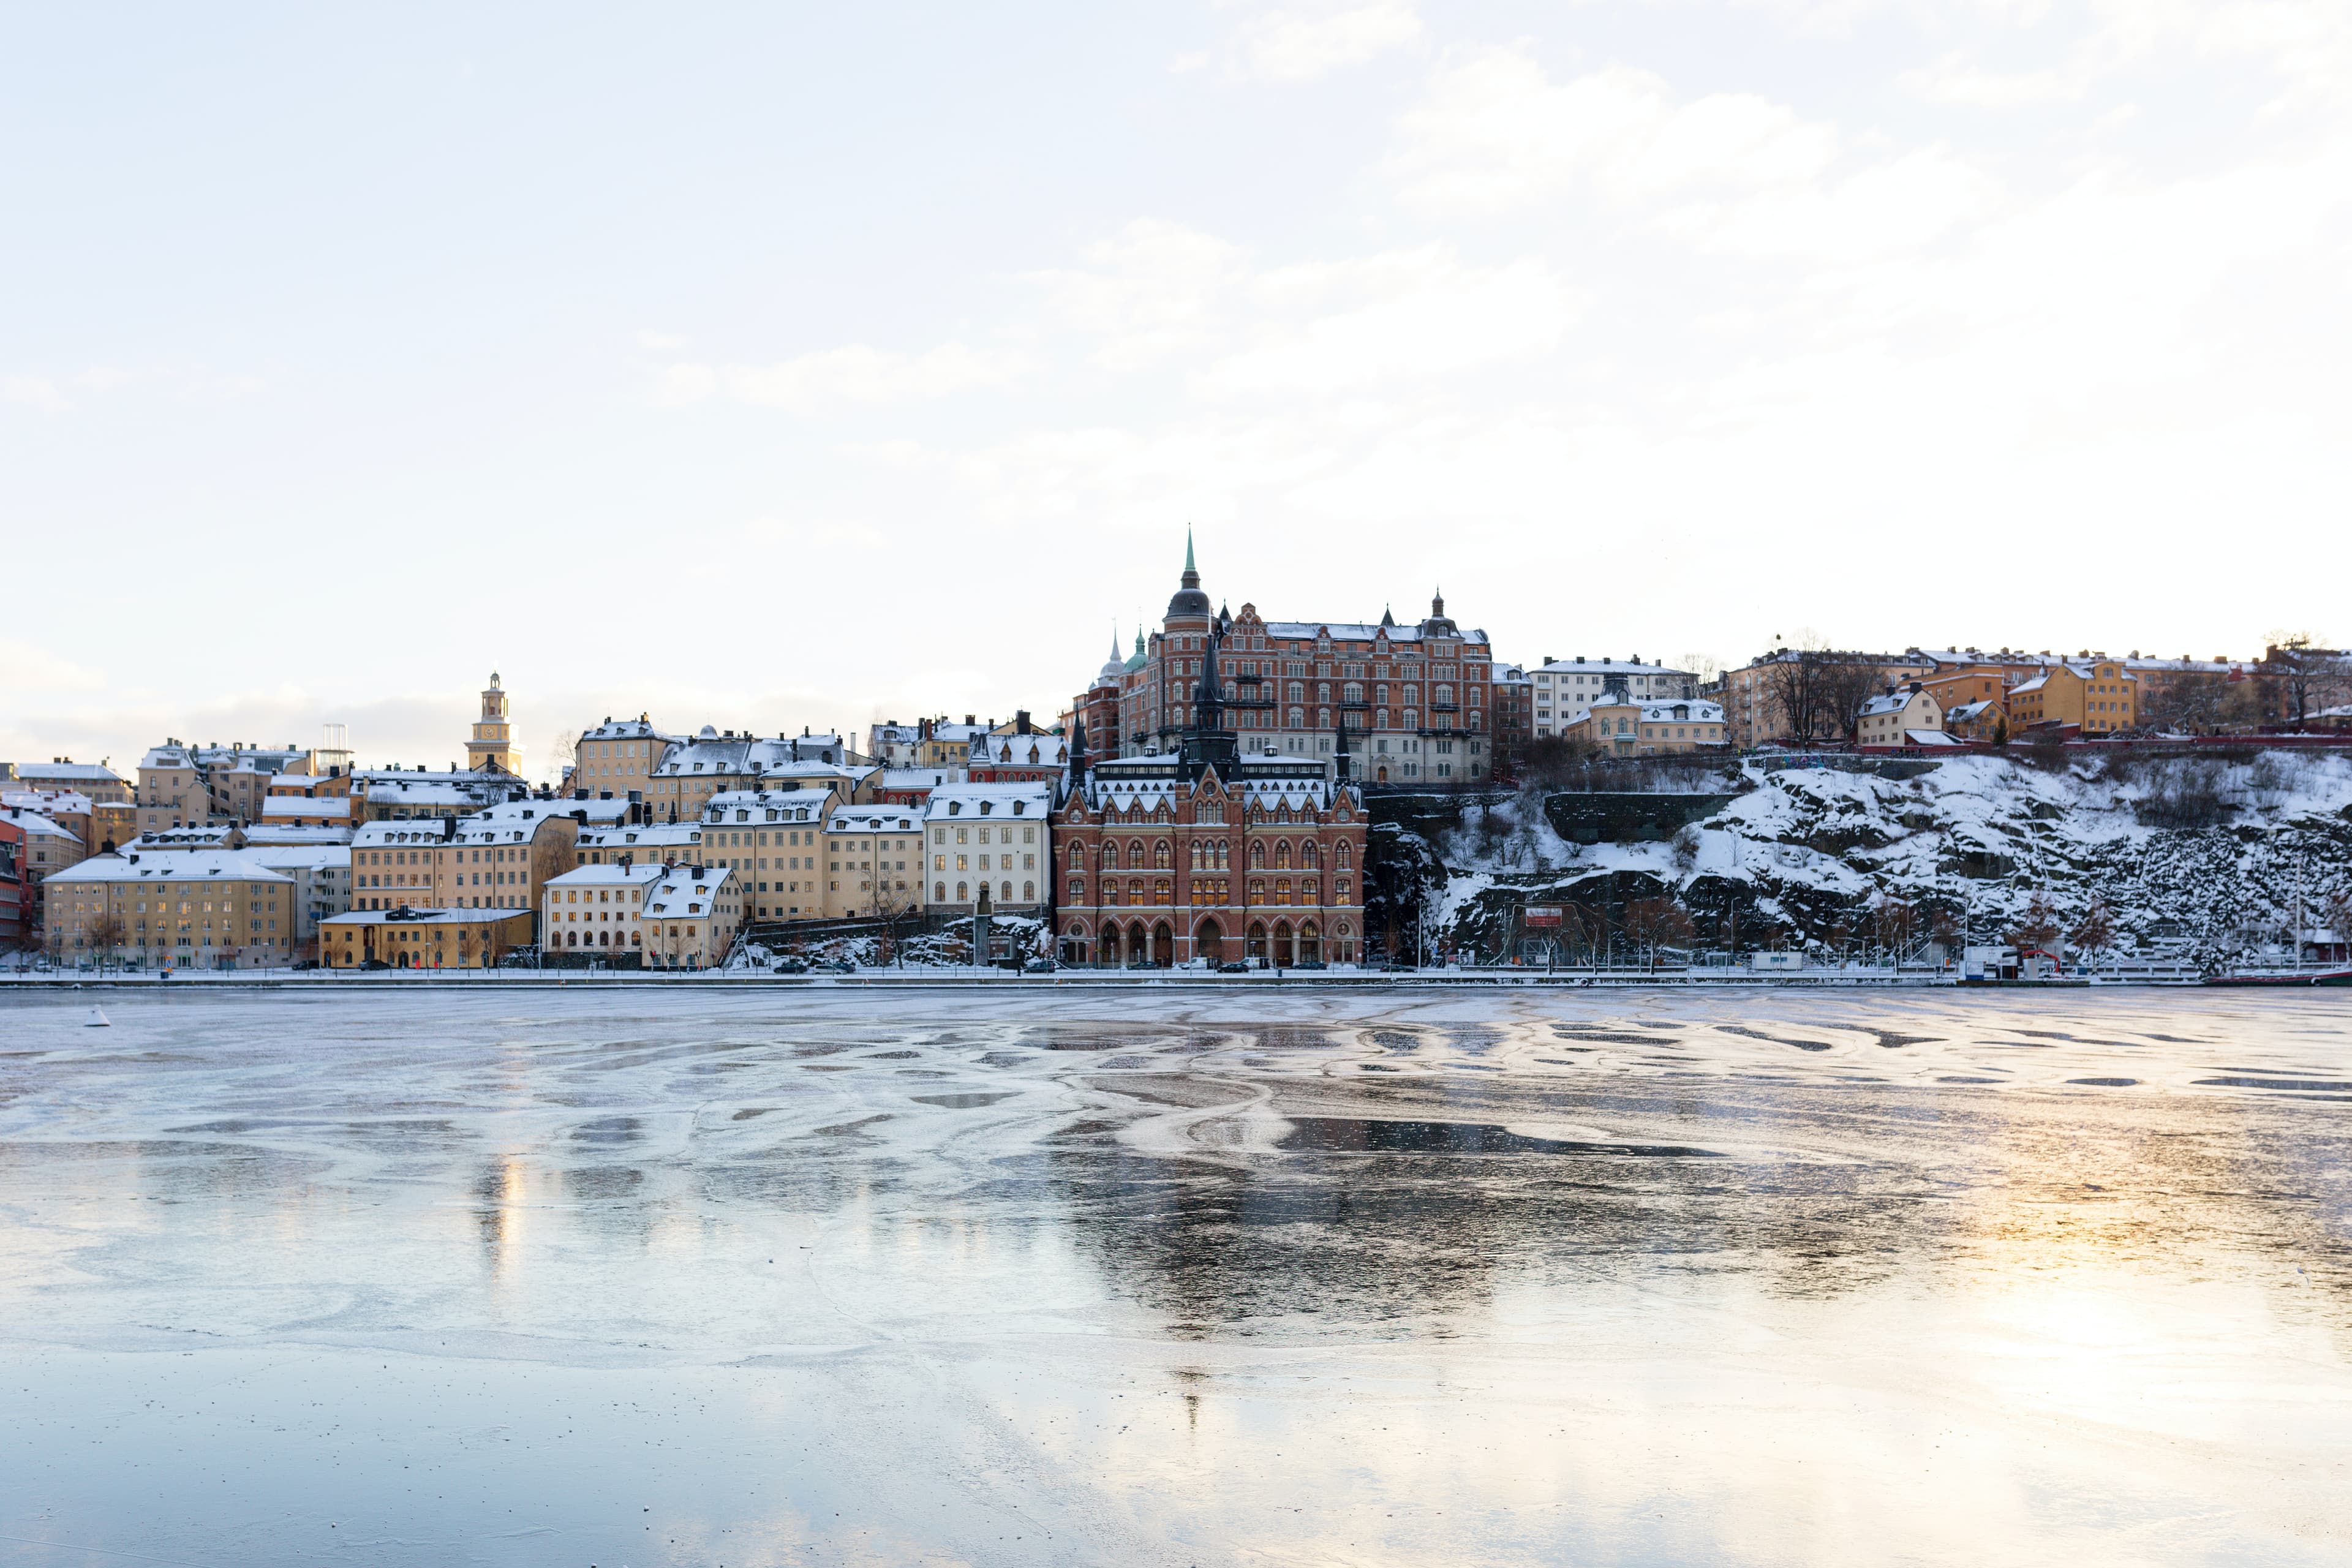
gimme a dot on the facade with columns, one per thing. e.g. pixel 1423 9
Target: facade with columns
pixel 1416 699
pixel 1209 849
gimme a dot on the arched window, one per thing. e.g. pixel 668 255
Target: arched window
pixel 1159 854
pixel 1077 858
pixel 1004 892
pixel 1281 854
pixel 1298 718
pixel 1198 852
pixel 1135 891
pixel 1258 856
pixel 1028 892
pixel 1258 892
pixel 1440 693
pixel 1346 855
pixel 1310 891
pixel 939 892
pixel 1110 856
pixel 1282 890
pixel 1159 891
pixel 1310 856
pixel 1222 851
pixel 963 895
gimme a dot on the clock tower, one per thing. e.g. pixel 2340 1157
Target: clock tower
pixel 493 743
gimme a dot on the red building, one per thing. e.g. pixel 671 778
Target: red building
pixel 1203 849
pixel 1416 700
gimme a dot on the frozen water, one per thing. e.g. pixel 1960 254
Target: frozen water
pixel 625 1277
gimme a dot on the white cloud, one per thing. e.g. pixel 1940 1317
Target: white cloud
pixel 816 382
pixel 1150 291
pixel 34 391
pixel 1730 171
pixel 1304 43
pixel 1494 132
pixel 1411 314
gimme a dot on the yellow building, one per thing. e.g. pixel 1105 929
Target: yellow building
pixel 775 842
pixel 691 916
pixel 1629 729
pixel 492 744
pixel 1891 718
pixel 423 939
pixel 195 909
pixel 2100 696
pixel 600 907
pixel 621 755
pixel 874 860
pixel 498 859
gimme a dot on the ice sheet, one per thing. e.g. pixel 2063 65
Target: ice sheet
pixel 662 1277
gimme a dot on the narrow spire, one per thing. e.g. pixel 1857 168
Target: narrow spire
pixel 1188 548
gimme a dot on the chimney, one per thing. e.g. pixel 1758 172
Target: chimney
pixel 969 721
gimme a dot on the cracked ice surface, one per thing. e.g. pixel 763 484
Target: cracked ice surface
pixel 626 1276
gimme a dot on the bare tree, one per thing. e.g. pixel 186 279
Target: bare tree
pixel 1892 920
pixel 2095 932
pixel 2195 702
pixel 2039 927
pixel 2301 676
pixel 566 754
pixel 106 935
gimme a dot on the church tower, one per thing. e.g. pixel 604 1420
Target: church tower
pixel 493 743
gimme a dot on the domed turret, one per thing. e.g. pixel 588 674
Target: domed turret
pixel 1114 667
pixel 1189 601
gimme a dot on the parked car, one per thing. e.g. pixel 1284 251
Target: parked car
pixel 838 967
pixel 1039 966
pixel 301 965
pixel 374 964
pixel 1232 966
pixel 791 966
pixel 1311 964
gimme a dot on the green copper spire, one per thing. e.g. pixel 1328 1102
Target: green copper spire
pixel 1188 548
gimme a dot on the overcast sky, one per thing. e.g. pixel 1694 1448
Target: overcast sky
pixel 789 365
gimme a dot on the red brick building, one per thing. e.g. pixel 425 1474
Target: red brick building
pixel 1414 701
pixel 1206 849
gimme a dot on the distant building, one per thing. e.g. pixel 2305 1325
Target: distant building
pixel 621 755
pixel 1564 688
pixel 95 780
pixel 1414 696
pixel 1894 718
pixel 600 907
pixel 2099 696
pixel 999 834
pixel 691 917
pixel 1029 756
pixel 424 938
pixel 773 840
pixel 1622 726
pixel 184 786
pixel 217 911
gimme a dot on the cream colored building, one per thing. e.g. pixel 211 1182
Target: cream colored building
pixel 621 755
pixel 1891 718
pixel 498 859
pixel 599 908
pixel 424 939
pixel 996 833
pixel 96 780
pixel 691 916
pixel 873 861
pixel 774 841
pixel 1628 729
pixel 181 910
pixel 181 786
pixel 656 844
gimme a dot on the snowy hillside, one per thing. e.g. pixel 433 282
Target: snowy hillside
pixel 2201 855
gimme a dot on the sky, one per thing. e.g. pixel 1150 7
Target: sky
pixel 771 367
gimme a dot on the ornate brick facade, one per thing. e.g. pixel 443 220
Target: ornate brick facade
pixel 1203 849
